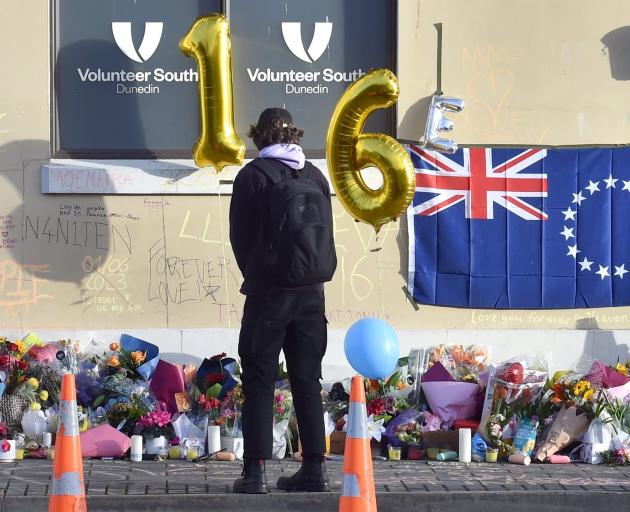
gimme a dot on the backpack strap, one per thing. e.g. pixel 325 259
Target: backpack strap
pixel 270 168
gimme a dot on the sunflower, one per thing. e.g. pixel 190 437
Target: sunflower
pixel 581 387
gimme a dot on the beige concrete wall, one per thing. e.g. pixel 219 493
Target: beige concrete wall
pixel 531 71
pixel 160 262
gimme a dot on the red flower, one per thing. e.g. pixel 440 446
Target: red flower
pixel 22 365
pixel 3 430
pixel 6 446
pixel 376 407
pixel 13 347
pixel 5 360
pixel 514 373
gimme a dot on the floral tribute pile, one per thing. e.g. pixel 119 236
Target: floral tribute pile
pixel 124 391
pixel 513 408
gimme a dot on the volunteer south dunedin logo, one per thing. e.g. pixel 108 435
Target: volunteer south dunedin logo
pixel 292 33
pixel 150 41
pixel 127 78
pixel 291 79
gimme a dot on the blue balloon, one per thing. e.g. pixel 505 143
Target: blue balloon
pixel 372 348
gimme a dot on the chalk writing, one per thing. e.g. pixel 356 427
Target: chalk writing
pixel 90 234
pixel 8 239
pixel 198 234
pixel 73 210
pixel 22 285
pixel 336 315
pixel 176 280
pixel 228 312
pixel 104 288
pixel 156 203
pixel 509 319
pixel 353 267
pixel 489 89
pixel 489 55
pixel 89 180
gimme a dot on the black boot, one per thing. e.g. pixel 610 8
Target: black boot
pixel 254 478
pixel 312 477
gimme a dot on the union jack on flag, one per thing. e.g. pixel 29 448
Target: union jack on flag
pixel 480 182
pixel 472 242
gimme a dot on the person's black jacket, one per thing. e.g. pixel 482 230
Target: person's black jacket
pixel 247 216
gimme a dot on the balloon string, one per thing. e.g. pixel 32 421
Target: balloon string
pixel 225 271
pixel 380 282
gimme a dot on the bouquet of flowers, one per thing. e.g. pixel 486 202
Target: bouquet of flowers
pixel 125 361
pixel 386 407
pixel 512 393
pixel 386 399
pixel 282 405
pixel 156 423
pixel 619 457
pixel 465 364
pixel 494 429
pixel 6 435
pixel 411 425
pixel 410 434
pixel 576 402
pixel 574 391
pixel 124 416
pixel 230 412
pixel 209 407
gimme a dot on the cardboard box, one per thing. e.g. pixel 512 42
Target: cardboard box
pixel 337 442
pixel 445 439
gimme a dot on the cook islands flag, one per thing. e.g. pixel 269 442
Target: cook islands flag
pixel 520 228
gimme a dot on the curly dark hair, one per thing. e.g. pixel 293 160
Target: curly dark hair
pixel 275 134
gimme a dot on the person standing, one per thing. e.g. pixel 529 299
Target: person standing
pixel 282 237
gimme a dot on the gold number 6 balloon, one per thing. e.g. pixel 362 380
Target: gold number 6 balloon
pixel 208 42
pixel 348 151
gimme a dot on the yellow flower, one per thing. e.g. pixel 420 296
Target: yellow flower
pixel 35 406
pixel 113 361
pixel 33 382
pixel 21 346
pixel 622 369
pixel 138 357
pixel 43 395
pixel 114 347
pixel 588 394
pixel 581 387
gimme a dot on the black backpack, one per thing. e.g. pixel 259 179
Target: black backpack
pixel 297 245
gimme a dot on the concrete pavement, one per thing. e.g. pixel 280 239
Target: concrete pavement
pixel 403 486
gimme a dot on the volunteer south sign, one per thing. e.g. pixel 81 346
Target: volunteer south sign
pixel 123 88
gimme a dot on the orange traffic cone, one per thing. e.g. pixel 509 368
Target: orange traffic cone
pixel 68 491
pixel 358 493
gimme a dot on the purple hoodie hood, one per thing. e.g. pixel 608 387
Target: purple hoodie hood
pixel 289 154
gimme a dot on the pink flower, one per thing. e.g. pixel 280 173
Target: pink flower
pixel 496 430
pixel 44 353
pixel 6 446
pixel 432 422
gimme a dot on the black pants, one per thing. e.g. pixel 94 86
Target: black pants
pixel 292 321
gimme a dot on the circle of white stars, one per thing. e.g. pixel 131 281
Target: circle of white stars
pixel 569 216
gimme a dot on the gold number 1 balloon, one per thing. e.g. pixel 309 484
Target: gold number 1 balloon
pixel 208 42
pixel 348 151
